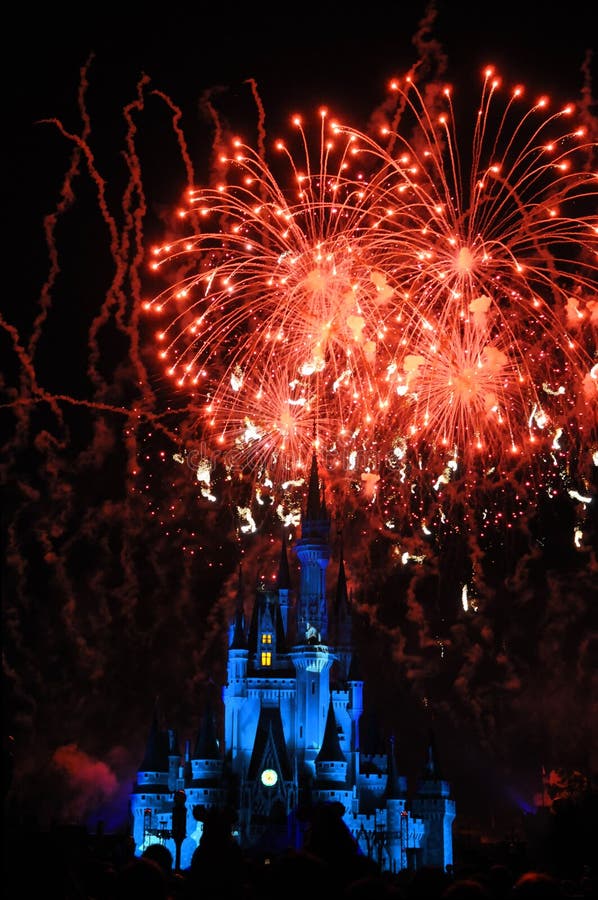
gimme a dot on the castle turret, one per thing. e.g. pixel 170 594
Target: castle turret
pixel 396 785
pixel 434 804
pixel 395 794
pixel 187 769
pixel 238 639
pixel 310 654
pixel 331 766
pixel 174 762
pixel 355 710
pixel 235 690
pixel 155 766
pixel 149 808
pixel 206 762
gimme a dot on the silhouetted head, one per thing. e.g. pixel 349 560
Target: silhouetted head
pixel 465 889
pixel 141 878
pixel 160 854
pixel 536 886
pixel 428 883
pixel 327 834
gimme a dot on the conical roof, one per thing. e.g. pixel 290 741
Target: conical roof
pixel 206 745
pixel 284 577
pixel 432 768
pixel 315 522
pixel 157 747
pixel 394 788
pixel 239 640
pixel 330 750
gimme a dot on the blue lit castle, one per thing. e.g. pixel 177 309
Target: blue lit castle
pixel 292 706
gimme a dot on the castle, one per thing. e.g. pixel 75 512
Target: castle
pixel 292 705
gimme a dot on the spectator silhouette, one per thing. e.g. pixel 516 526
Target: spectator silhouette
pixel 536 886
pixel 428 883
pixel 218 868
pixel 328 838
pixel 500 881
pixel 141 879
pixel 465 889
pixel 374 887
pixel 161 855
pixel 296 875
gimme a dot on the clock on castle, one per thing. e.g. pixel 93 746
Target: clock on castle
pixel 291 709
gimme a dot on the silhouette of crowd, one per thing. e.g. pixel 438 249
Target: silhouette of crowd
pixel 329 866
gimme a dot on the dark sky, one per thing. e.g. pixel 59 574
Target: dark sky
pixel 117 572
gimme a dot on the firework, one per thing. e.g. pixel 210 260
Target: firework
pixel 281 322
pixel 396 297
pixel 496 259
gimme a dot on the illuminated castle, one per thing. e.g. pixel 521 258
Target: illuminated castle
pixel 292 705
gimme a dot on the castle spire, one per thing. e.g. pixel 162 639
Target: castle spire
pixel 330 750
pixel 393 790
pixel 432 768
pixel 342 624
pixel 331 762
pixel 157 746
pixel 315 521
pixel 314 511
pixel 284 578
pixel 238 639
pixel 206 745
pixel 313 551
pixel 341 603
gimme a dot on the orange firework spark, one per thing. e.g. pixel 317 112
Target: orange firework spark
pixel 282 304
pixel 399 294
pixel 496 261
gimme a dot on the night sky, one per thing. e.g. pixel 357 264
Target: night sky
pixel 119 573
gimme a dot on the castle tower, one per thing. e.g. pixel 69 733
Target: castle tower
pixel 235 690
pixel 355 711
pixel 395 794
pixel 174 760
pixel 207 786
pixel 330 784
pixel 434 804
pixel 206 761
pixel 310 654
pixel 151 807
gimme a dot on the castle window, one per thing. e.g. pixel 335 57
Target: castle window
pixel 266 658
pixel 266 639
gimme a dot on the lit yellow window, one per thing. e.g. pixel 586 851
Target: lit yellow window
pixel 266 658
pixel 266 639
